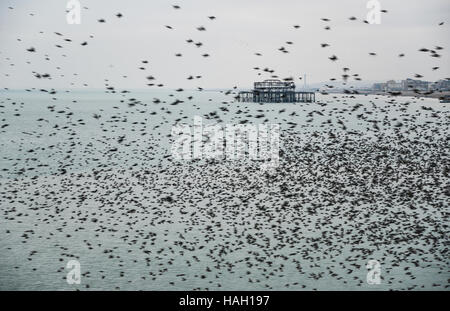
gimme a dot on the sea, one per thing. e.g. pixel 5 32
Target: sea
pixel 89 175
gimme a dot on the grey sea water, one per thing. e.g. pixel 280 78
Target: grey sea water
pixel 95 189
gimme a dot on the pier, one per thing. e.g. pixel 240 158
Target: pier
pixel 276 91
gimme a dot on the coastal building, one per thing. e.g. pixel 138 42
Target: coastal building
pixel 379 87
pixel 393 86
pixel 276 91
pixel 441 85
pixel 410 84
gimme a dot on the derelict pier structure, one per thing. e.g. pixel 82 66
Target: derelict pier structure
pixel 276 91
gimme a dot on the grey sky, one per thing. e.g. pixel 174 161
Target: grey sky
pixel 241 29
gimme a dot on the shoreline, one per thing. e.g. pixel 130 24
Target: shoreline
pixel 437 95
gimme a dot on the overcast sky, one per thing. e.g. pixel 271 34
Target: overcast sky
pixel 241 29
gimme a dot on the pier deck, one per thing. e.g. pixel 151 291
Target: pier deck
pixel 276 91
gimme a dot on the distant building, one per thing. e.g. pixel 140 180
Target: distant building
pixel 379 87
pixel 410 84
pixel 441 85
pixel 391 85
